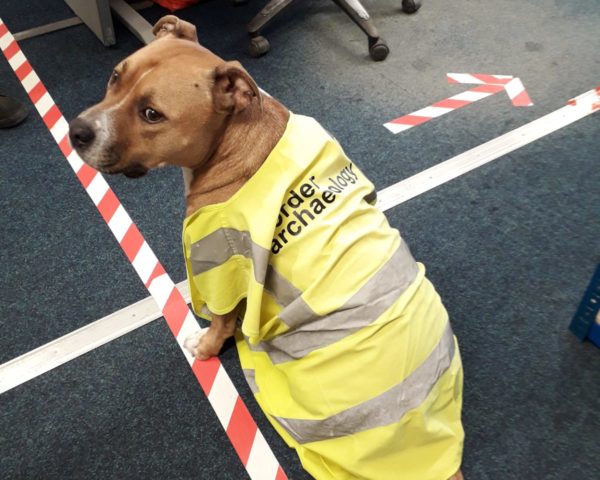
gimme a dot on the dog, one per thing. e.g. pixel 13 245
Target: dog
pixel 342 338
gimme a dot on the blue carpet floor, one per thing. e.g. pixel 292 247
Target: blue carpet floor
pixel 510 246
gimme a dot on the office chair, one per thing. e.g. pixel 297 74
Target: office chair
pixel 378 49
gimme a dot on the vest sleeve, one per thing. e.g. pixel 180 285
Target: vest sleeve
pixel 218 271
pixel 219 289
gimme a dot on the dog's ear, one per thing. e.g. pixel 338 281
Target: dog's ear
pixel 173 26
pixel 234 89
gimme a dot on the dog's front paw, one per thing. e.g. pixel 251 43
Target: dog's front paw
pixel 192 342
pixel 201 344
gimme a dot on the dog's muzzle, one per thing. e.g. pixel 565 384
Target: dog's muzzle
pixel 93 148
pixel 81 134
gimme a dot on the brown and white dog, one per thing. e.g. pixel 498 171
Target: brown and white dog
pixel 177 103
pixel 174 102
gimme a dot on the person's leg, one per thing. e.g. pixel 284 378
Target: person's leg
pixel 11 112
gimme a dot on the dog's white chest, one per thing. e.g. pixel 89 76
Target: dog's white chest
pixel 188 176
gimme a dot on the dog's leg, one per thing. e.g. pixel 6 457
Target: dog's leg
pixel 208 342
pixel 457 476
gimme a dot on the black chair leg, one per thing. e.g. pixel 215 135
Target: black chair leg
pixel 378 49
pixel 411 6
pixel 259 45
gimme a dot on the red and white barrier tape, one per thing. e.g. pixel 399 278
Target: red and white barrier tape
pixel 513 85
pixel 246 438
pixel 489 85
pixel 577 108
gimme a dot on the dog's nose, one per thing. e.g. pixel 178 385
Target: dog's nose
pixel 81 134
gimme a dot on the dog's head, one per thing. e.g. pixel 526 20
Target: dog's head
pixel 165 104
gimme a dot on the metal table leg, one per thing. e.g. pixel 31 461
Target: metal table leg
pixel 98 18
pixel 137 24
pixel 96 15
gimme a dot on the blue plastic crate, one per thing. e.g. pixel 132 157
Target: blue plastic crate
pixel 586 322
pixel 594 333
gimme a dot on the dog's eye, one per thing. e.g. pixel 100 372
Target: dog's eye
pixel 114 77
pixel 151 115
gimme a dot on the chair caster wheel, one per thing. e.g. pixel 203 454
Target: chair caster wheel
pixel 259 45
pixel 378 49
pixel 411 6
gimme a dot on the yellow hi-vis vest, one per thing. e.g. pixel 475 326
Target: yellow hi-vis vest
pixel 344 342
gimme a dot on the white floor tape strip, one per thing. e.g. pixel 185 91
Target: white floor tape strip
pixel 578 108
pixel 60 351
pixel 66 348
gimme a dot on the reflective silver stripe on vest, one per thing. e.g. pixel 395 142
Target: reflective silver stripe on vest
pixel 251 379
pixel 218 247
pixel 280 288
pixel 310 331
pixel 385 409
